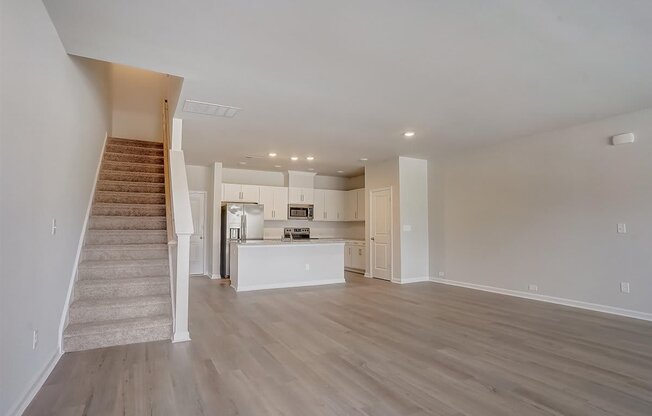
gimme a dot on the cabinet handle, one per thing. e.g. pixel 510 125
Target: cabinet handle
pixel 360 251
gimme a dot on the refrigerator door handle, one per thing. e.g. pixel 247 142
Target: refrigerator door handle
pixel 243 227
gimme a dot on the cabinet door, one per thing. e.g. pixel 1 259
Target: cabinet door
pixel 294 195
pixel 350 205
pixel 320 205
pixel 267 199
pixel 359 257
pixel 362 206
pixel 348 255
pixel 308 196
pixel 330 202
pixel 280 203
pixel 250 193
pixel 232 192
pixel 340 204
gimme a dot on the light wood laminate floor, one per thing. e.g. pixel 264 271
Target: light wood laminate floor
pixel 367 348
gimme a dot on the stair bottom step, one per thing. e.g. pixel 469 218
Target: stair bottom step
pixel 80 337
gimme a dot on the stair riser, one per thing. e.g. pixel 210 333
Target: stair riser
pixel 153 211
pixel 131 187
pixel 141 238
pixel 134 150
pixel 123 223
pixel 130 336
pixel 142 254
pixel 122 290
pixel 134 143
pixel 132 177
pixel 132 167
pixel 126 158
pixel 120 272
pixel 126 198
pixel 106 313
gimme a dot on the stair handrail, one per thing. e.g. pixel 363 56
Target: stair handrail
pixel 166 171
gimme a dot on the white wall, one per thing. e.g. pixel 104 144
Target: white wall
pixel 544 210
pixel 137 95
pixel 55 115
pixel 413 194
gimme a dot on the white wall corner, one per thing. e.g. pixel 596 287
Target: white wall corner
pixel 80 245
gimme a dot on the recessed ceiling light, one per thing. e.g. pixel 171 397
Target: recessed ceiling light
pixel 310 158
pixel 272 154
pixel 340 171
pixel 409 134
pixel 363 159
pixel 311 168
pixel 294 158
pixel 278 166
pixel 242 163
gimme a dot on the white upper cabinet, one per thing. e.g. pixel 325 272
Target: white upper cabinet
pixel 301 195
pixel 335 201
pixel 355 205
pixel 240 193
pixel 319 205
pixel 275 201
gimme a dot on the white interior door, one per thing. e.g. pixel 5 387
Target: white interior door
pixel 197 247
pixel 381 233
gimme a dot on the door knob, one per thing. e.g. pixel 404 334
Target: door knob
pixel 373 238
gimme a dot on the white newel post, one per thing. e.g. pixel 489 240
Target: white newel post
pixel 182 285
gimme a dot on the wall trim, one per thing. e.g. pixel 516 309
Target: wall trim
pixel 289 284
pixel 181 337
pixel 550 299
pixel 404 281
pixel 80 246
pixel 20 406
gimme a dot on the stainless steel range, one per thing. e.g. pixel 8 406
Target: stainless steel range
pixel 291 233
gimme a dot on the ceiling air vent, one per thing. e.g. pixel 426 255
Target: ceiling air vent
pixel 210 109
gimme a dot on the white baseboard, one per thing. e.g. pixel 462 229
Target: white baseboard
pixel 550 299
pixel 80 246
pixel 288 285
pixel 19 407
pixel 411 280
pixel 181 337
pixel 366 274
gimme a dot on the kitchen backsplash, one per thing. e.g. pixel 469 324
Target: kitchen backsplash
pixel 319 229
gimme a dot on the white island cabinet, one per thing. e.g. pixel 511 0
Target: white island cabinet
pixel 273 264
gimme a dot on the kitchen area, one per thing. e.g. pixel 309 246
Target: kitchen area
pixel 307 232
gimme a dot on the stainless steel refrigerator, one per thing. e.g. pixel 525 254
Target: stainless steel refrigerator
pixel 239 222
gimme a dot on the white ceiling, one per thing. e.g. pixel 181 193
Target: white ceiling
pixel 342 79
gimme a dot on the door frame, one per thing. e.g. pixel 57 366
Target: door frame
pixel 391 231
pixel 205 262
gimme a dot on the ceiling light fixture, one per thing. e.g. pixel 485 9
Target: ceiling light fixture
pixel 272 154
pixel 340 171
pixel 363 159
pixel 409 134
pixel 311 169
pixel 294 158
pixel 242 163
pixel 278 166
pixel 310 158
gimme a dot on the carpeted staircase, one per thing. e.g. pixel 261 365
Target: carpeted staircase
pixel 122 292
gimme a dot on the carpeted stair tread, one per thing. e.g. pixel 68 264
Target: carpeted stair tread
pixel 118 175
pixel 128 210
pixel 121 288
pixel 116 325
pixel 128 149
pixel 93 264
pixel 119 303
pixel 108 222
pixel 126 186
pixel 125 251
pixel 126 247
pixel 133 159
pixel 125 237
pixel 134 142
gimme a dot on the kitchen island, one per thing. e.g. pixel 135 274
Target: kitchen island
pixel 273 264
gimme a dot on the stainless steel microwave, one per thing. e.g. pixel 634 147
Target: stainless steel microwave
pixel 300 212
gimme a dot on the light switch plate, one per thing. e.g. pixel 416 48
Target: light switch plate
pixel 624 287
pixel 622 228
pixel 407 228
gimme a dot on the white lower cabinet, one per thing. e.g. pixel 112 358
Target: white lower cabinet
pixel 354 256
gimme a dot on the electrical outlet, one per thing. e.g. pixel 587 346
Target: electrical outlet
pixel 622 228
pixel 307 266
pixel 533 288
pixel 54 226
pixel 442 274
pixel 34 339
pixel 624 287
